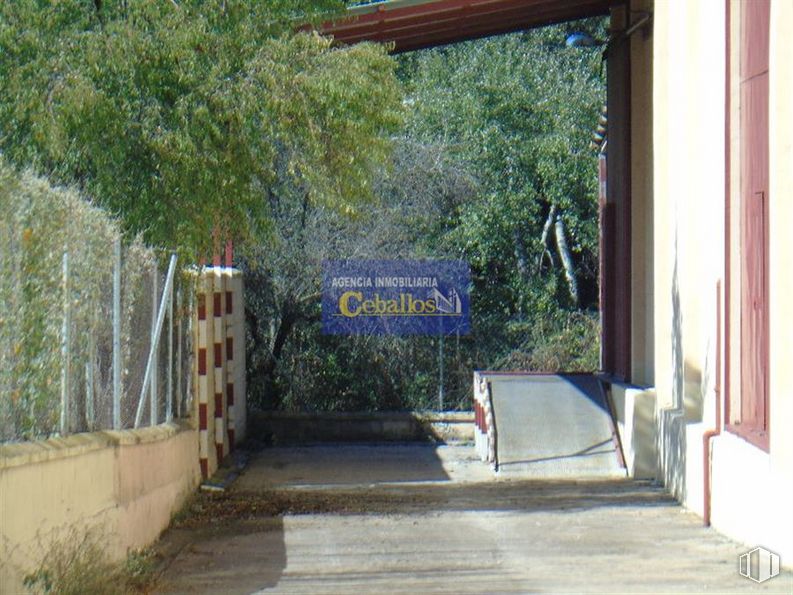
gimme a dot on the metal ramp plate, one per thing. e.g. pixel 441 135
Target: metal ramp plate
pixel 553 426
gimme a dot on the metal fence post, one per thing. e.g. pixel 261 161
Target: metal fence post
pixel 65 355
pixel 117 334
pixel 89 381
pixel 169 390
pixel 150 364
pixel 153 386
pixel 189 338
pixel 440 372
pixel 179 353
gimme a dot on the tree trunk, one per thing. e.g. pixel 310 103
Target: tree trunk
pixel 567 260
pixel 546 230
pixel 521 254
pixel 265 372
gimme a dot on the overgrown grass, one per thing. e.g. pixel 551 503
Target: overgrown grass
pixel 79 564
pixel 568 343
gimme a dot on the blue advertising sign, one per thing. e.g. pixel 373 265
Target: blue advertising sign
pixel 395 297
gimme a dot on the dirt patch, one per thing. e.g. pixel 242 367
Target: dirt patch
pixel 208 509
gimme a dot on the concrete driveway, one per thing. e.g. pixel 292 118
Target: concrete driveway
pixel 416 518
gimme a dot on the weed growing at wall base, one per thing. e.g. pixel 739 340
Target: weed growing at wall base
pixel 79 564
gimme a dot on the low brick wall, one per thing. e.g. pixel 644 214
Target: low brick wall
pixel 281 428
pixel 125 485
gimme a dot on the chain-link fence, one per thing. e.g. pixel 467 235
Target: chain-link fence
pixel 94 332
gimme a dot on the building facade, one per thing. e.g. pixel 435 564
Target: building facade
pixel 712 315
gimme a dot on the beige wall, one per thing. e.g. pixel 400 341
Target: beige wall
pixel 688 189
pixel 689 196
pixel 642 253
pixel 781 237
pixel 235 325
pixel 751 489
pixel 125 485
pixel 755 488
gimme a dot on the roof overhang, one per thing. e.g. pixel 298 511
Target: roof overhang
pixel 418 24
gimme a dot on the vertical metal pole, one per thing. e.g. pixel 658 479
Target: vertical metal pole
pixel 151 361
pixel 117 335
pixel 190 340
pixel 179 353
pixel 65 355
pixel 89 382
pixel 153 386
pixel 440 373
pixel 169 392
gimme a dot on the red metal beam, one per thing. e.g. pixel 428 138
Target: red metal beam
pixel 414 26
pixel 484 17
pixel 458 32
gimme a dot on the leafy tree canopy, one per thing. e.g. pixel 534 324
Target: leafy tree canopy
pixel 517 112
pixel 496 144
pixel 181 115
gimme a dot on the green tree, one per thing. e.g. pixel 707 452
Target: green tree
pixel 290 364
pixel 182 116
pixel 518 112
pixel 495 146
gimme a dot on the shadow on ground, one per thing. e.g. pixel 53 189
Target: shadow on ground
pixel 418 518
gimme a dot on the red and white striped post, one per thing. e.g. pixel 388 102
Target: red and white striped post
pixel 218 336
pixel 203 385
pixel 221 360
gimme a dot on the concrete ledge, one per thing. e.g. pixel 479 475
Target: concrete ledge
pixel 634 408
pixel 26 453
pixel 391 426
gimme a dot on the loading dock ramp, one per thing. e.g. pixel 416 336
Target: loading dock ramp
pixel 545 425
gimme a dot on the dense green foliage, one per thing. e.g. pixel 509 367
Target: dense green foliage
pixel 517 112
pixel 180 116
pixel 496 140
pixel 192 117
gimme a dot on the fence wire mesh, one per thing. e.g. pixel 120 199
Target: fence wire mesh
pixel 57 340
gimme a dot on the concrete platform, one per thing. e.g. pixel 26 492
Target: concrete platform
pixel 340 465
pixel 309 520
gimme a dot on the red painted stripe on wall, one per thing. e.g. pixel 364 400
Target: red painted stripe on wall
pixel 202 361
pixel 231 440
pixel 229 348
pixel 230 393
pixel 219 452
pixel 218 299
pixel 218 354
pixel 228 303
pixel 218 404
pixel 202 306
pixel 202 416
pixel 204 468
